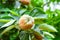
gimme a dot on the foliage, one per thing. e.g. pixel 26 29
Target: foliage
pixel 12 10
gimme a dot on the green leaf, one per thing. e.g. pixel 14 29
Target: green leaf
pixel 48 34
pixel 39 20
pixel 10 11
pixel 8 24
pixel 14 35
pixel 4 10
pixel 7 29
pixel 24 35
pixel 37 3
pixel 4 20
pixel 36 12
pixel 6 16
pixel 47 27
pixel 13 13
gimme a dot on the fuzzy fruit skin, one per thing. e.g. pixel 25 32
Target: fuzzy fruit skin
pixel 26 22
pixel 25 2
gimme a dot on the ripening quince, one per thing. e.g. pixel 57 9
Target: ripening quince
pixel 25 2
pixel 26 22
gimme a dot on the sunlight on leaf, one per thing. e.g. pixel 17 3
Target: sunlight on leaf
pixel 47 27
pixel 8 24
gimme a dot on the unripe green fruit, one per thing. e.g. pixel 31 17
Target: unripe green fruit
pixel 26 22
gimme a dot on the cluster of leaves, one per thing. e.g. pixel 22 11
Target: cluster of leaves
pixel 9 17
pixel 54 20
